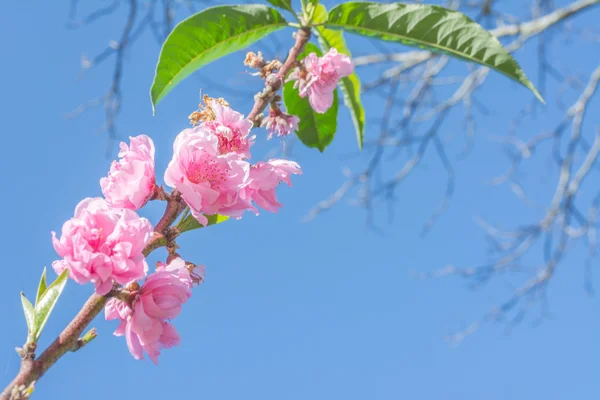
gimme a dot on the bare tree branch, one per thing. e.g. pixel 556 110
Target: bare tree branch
pixel 154 16
pixel 562 222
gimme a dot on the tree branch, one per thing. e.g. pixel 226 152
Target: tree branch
pixel 274 82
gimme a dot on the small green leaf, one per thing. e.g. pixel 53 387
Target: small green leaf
pixel 429 27
pixel 314 129
pixel 41 286
pixel 350 85
pixel 29 317
pixel 85 339
pixel 44 307
pixel 190 223
pixel 207 36
pixel 184 214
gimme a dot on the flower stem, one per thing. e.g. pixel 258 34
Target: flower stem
pixel 30 372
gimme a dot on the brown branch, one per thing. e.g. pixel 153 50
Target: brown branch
pixel 172 211
pixel 22 385
pixel 274 82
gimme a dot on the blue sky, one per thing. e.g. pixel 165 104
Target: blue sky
pixel 290 310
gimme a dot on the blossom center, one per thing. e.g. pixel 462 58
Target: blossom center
pixel 96 239
pixel 206 170
pixel 225 132
pixel 229 141
pixel 329 75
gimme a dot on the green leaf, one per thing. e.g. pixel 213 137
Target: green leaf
pixel 29 317
pixel 44 307
pixel 190 223
pixel 285 4
pixel 41 287
pixel 320 14
pixel 432 28
pixel 208 35
pixel 314 129
pixel 350 85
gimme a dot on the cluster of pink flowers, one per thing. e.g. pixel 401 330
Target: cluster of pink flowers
pixel 211 170
pixel 104 241
pixel 318 77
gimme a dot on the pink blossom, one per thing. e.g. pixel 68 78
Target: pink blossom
pixel 159 299
pixel 319 76
pixel 232 129
pixel 279 122
pixel 130 181
pixel 101 245
pixel 209 181
pixel 264 178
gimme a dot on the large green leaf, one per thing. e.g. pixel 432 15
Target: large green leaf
pixel 285 4
pixel 29 312
pixel 306 4
pixel 429 27
pixel 190 223
pixel 314 129
pixel 45 305
pixel 350 85
pixel 207 36
pixel 320 14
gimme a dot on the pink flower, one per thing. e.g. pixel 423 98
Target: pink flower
pixel 279 122
pixel 160 298
pixel 264 178
pixel 318 77
pixel 130 181
pixel 209 181
pixel 101 245
pixel 232 129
